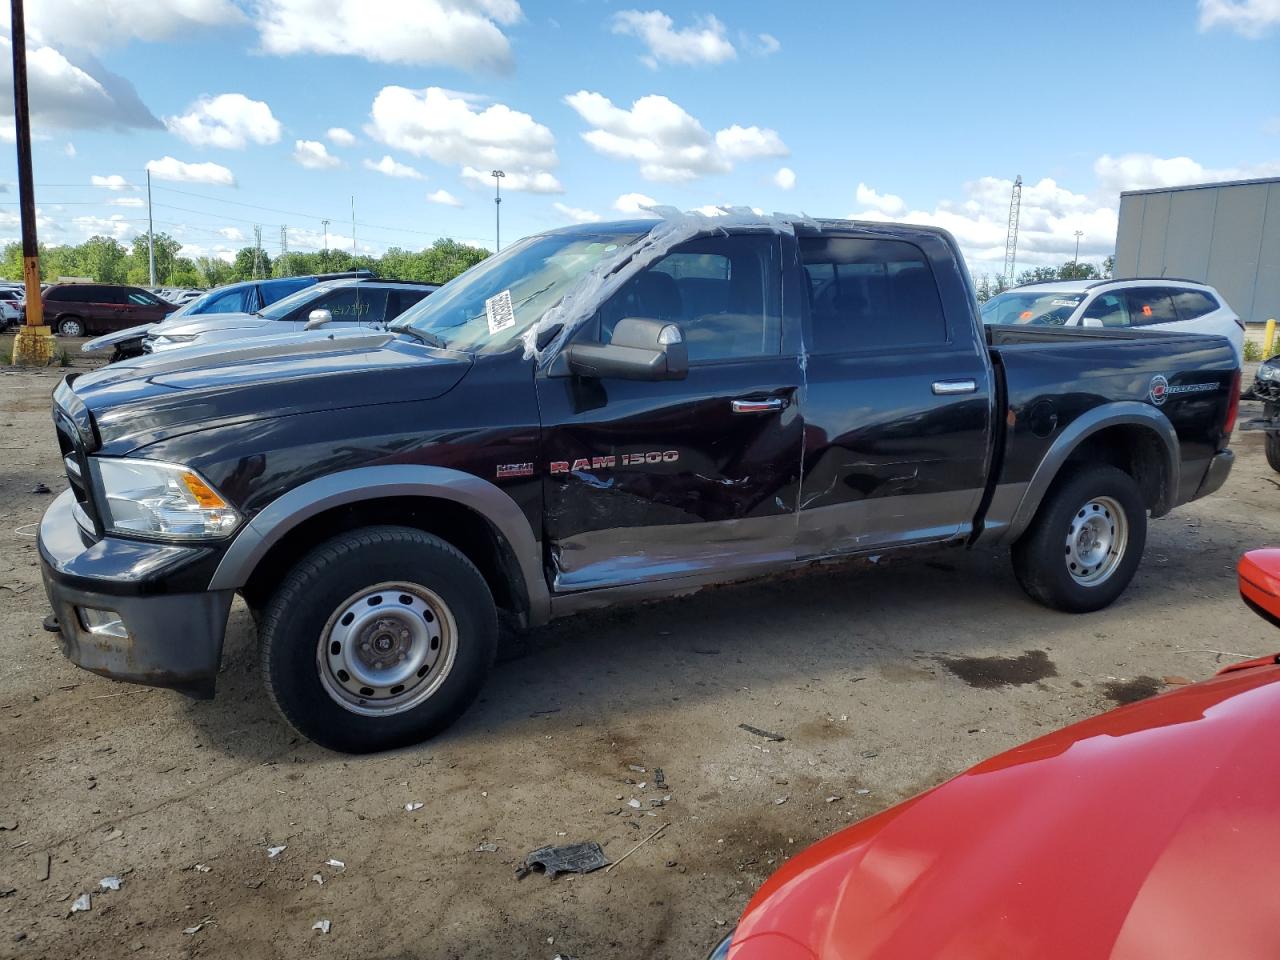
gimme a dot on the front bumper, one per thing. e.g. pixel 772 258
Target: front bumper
pixel 173 627
pixel 1216 475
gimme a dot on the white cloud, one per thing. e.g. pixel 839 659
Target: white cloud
pixel 534 182
pixel 229 120
pixel 393 168
pixel 785 178
pixel 665 140
pixel 703 43
pixel 112 182
pixel 341 137
pixel 115 226
pixel 96 25
pixel 1249 18
pixel 234 234
pixel 167 168
pixel 466 34
pixel 1050 215
pixel 444 197
pixel 884 202
pixel 71 91
pixel 70 150
pixel 764 44
pixel 450 128
pixel 637 204
pixel 314 155
pixel 1140 171
pixel 127 202
pixel 577 214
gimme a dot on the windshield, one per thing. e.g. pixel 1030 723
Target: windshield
pixel 195 305
pixel 1043 308
pixel 487 308
pixel 281 309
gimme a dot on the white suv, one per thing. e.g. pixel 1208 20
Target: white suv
pixel 1162 304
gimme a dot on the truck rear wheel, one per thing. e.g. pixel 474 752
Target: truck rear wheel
pixel 1273 451
pixel 1086 541
pixel 378 638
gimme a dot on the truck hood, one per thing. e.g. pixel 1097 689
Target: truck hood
pixel 140 401
pixel 111 340
pixel 1149 831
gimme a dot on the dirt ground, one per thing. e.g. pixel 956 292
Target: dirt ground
pixel 884 679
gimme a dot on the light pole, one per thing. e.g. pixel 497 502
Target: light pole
pixel 1079 234
pixel 151 236
pixel 497 209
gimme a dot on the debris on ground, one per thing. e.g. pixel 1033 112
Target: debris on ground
pixel 192 931
pixel 659 778
pixel 833 799
pixel 415 805
pixel 114 835
pixel 572 858
pixel 636 768
pixel 336 864
pixel 317 878
pixel 41 488
pixel 7 888
pixel 322 925
pixel 8 824
pixel 110 883
pixel 83 902
pixel 633 803
pixel 609 869
pixel 780 801
pixel 862 791
pixel 43 863
pixel 273 852
pixel 772 737
pixel 201 867
pixel 487 848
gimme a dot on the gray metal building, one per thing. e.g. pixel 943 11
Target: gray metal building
pixel 1224 234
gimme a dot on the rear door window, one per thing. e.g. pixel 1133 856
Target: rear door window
pixel 1149 305
pixel 1193 303
pixel 400 300
pixel 867 294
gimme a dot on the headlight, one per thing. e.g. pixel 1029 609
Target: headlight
pixel 164 500
pixel 1269 371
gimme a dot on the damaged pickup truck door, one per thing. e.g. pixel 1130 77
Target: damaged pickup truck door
pixel 898 403
pixel 648 479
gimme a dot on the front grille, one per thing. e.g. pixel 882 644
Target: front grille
pixel 76 462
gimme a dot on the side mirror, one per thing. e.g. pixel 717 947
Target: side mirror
pixel 1092 322
pixel 640 349
pixel 317 319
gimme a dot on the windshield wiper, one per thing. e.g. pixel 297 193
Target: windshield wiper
pixel 430 339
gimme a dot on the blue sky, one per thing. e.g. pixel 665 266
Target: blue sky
pixel 922 111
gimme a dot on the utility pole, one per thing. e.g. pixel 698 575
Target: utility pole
pixel 326 242
pixel 353 225
pixel 151 236
pixel 33 344
pixel 497 209
pixel 284 249
pixel 1079 234
pixel 257 250
pixel 1011 238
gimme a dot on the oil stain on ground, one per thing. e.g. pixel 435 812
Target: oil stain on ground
pixel 1131 691
pixel 987 673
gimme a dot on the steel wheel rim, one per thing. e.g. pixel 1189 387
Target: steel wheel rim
pixel 387 648
pixel 1096 540
pixel 71 328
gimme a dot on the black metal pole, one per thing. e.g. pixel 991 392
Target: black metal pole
pixel 26 188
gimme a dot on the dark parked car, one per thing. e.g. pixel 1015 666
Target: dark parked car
pixel 74 309
pixel 248 296
pixel 1266 387
pixel 599 414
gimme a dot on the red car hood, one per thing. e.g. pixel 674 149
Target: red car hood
pixel 1148 833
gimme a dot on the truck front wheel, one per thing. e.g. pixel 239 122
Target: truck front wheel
pixel 378 638
pixel 1273 451
pixel 1085 543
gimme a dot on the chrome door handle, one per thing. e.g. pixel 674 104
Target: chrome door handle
pixel 948 388
pixel 772 405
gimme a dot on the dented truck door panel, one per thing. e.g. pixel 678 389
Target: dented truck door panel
pixel 898 402
pixel 653 480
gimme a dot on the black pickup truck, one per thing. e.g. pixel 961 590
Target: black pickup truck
pixel 601 413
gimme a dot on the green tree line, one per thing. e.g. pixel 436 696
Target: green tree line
pixel 106 260
pixel 988 286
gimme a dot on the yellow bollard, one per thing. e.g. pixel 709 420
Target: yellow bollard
pixel 1269 339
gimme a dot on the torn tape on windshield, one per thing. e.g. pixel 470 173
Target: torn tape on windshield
pixel 602 281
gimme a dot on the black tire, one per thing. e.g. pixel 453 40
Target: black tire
pixel 70 327
pixel 1042 555
pixel 1273 451
pixel 315 591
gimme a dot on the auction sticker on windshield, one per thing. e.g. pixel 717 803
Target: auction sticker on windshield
pixel 500 313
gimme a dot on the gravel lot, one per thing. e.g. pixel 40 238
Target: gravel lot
pixel 885 679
